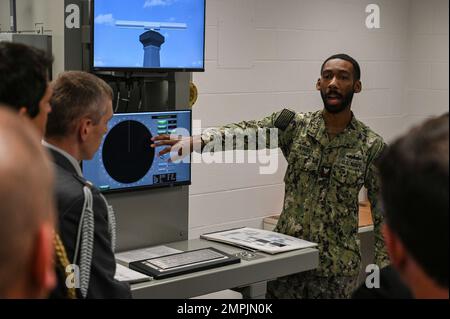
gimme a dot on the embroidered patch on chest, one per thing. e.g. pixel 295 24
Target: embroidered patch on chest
pixel 354 161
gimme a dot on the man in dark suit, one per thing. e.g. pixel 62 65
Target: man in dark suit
pixel 81 108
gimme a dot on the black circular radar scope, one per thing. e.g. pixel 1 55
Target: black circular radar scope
pixel 127 154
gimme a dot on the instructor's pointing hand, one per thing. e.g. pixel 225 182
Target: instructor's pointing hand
pixel 182 145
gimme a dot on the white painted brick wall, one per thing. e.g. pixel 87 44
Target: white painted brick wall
pixel 427 85
pixel 263 55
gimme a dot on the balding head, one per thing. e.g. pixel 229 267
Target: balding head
pixel 26 211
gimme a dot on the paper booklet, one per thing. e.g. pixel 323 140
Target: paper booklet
pixel 259 240
pixel 125 258
pixel 125 274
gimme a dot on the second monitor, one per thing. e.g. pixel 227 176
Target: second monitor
pixel 125 160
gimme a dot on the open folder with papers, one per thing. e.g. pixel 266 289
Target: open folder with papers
pixel 259 240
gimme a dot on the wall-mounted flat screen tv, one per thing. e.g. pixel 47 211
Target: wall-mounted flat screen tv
pixel 148 35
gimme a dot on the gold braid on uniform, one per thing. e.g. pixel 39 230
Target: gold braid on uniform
pixel 63 262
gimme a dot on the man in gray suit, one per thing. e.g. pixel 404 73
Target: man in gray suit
pixel 81 108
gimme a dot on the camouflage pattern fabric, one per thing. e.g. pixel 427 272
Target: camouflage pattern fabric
pixel 308 285
pixel 322 184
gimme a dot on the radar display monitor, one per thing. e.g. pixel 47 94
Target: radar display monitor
pixel 125 159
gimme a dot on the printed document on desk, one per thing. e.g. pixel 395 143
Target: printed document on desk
pixel 259 240
pixel 125 274
pixel 125 258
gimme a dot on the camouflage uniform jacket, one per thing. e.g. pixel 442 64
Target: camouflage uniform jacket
pixel 322 185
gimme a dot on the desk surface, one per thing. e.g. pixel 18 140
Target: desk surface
pixel 238 275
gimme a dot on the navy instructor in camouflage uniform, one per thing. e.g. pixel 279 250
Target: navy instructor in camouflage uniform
pixel 330 156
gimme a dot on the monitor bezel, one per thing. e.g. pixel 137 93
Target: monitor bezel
pixel 153 186
pixel 95 69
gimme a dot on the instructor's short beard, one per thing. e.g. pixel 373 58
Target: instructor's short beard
pixel 346 102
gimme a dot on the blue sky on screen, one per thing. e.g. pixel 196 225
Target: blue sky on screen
pixel 120 47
